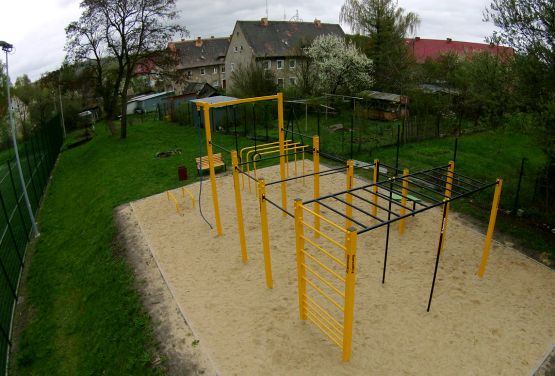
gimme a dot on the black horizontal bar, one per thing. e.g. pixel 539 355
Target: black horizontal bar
pixel 220 147
pixel 384 197
pixel 330 171
pixel 420 193
pixel 469 178
pixel 279 207
pixel 341 214
pixel 437 185
pixel 246 173
pixel 357 208
pixel 298 134
pixel 457 178
pixel 444 181
pixel 379 184
pixel 361 231
pixel 376 205
pixel 391 167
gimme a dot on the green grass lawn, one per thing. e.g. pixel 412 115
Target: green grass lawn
pixel 85 317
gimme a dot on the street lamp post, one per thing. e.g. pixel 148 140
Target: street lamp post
pixel 6 47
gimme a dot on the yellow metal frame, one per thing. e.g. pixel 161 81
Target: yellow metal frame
pixel 171 197
pixel 348 196
pixel 447 195
pixel 190 194
pixel 239 206
pixel 491 227
pixel 208 134
pixel 265 233
pixel 339 332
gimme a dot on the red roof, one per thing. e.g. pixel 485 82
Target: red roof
pixel 423 49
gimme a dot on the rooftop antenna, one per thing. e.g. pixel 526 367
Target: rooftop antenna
pixel 296 17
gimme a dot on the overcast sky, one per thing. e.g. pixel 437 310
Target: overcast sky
pixel 36 27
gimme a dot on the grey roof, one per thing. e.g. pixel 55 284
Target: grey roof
pixel 144 97
pixel 200 89
pixel 283 38
pixel 216 99
pixel 211 52
pixel 368 94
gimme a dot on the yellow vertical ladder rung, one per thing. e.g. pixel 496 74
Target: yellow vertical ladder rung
pixel 322 328
pixel 323 294
pixel 323 280
pixel 341 263
pixel 324 266
pixel 316 231
pixel 325 219
pixel 323 320
pixel 317 308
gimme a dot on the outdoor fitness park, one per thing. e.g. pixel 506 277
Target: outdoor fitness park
pixel 329 258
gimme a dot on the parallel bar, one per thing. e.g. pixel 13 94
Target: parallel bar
pixel 313 320
pixel 371 203
pixel 315 287
pixel 341 263
pixel 333 241
pixel 333 170
pixel 325 219
pixel 279 207
pixel 357 208
pixel 316 307
pixel 384 197
pixel 339 213
pixel 324 281
pixel 322 265
pixel 417 192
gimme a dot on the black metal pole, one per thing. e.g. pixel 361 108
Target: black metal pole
pixel 10 230
pixel 387 231
pixel 318 121
pixel 517 196
pixel 17 201
pixel 398 142
pixel 455 150
pixel 439 246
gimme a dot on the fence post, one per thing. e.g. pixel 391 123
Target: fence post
pixel 517 195
pixel 31 177
pixel 404 193
pixel 10 230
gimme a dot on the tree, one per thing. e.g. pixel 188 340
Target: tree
pixel 122 33
pixel 387 26
pixel 252 80
pixel 338 66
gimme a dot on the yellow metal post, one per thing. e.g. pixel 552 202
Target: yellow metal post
pixel 491 227
pixel 404 192
pixel 208 134
pixel 448 187
pixel 348 196
pixel 239 206
pixel 265 235
pixel 282 152
pixel 316 159
pixel 375 187
pixel 350 279
pixel 301 272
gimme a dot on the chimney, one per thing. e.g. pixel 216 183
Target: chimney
pixel 317 23
pixel 449 40
pixel 198 42
pixel 264 21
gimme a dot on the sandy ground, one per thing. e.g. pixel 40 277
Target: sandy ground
pixel 502 324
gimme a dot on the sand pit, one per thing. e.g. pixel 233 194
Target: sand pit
pixel 502 324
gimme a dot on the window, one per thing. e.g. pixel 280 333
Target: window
pixel 241 48
pixel 267 64
pixel 189 73
pixel 292 63
pixel 280 64
pixel 215 71
pixel 202 71
pixel 216 83
pixel 292 81
pixel 222 69
pixel 280 83
pixel 235 49
pixel 232 67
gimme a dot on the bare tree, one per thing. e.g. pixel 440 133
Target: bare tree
pixel 124 32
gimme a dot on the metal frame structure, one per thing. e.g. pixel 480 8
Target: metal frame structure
pixel 431 188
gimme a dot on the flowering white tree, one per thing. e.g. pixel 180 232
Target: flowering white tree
pixel 338 66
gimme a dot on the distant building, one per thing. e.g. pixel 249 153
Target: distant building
pixel 423 49
pixel 146 103
pixel 200 60
pixel 277 45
